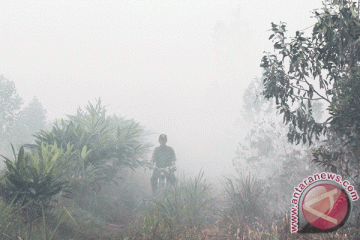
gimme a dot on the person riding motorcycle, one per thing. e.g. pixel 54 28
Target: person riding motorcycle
pixel 163 156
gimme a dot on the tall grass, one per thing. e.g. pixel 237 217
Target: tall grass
pixel 18 221
pixel 246 200
pixel 9 221
pixel 21 221
pixel 245 215
pixel 178 213
pixel 181 213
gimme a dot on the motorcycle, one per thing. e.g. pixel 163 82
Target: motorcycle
pixel 163 178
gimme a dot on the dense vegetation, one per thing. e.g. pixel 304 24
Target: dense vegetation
pixel 321 68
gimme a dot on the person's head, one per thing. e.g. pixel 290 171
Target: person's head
pixel 162 139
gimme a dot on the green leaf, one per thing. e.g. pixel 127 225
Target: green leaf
pixel 278 45
pixel 35 159
pixel 32 191
pixel 273 25
pixel 353 13
pixel 324 30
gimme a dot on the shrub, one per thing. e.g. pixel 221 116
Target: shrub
pixel 112 142
pixel 35 177
pixel 246 203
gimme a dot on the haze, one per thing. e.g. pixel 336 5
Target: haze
pixel 177 67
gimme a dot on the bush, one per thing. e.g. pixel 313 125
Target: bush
pixel 35 177
pixel 112 142
pixel 246 203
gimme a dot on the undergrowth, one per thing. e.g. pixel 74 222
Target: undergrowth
pixel 183 212
pixel 179 213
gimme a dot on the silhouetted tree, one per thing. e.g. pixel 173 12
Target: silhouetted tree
pixel 29 120
pixel 10 103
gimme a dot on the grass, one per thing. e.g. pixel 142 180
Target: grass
pixel 25 223
pixel 179 212
pixel 184 212
pixel 246 200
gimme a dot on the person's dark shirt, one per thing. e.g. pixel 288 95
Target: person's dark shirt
pixel 163 156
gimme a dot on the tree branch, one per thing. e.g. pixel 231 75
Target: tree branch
pixel 312 98
pixel 326 99
pixel 302 89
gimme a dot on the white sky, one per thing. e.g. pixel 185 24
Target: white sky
pixel 154 61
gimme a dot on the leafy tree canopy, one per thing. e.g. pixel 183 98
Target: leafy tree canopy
pixel 307 69
pixel 322 67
